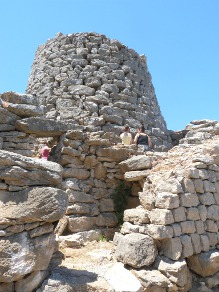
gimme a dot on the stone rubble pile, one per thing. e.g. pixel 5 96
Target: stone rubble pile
pixel 99 83
pixel 177 221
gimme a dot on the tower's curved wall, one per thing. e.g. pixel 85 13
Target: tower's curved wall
pixel 98 83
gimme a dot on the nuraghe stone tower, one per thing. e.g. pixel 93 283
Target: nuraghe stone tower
pixel 98 83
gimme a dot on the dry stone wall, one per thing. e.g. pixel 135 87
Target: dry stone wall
pixel 91 174
pixel 31 200
pixel 99 83
pixel 179 210
pixel 83 88
pixel 31 203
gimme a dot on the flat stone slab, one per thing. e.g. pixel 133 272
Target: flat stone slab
pixel 41 127
pixel 122 280
pixel 136 175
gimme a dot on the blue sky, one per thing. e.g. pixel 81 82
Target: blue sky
pixel 180 39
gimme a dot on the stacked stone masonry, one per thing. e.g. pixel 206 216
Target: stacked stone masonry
pixel 82 90
pixel 179 209
pixel 90 80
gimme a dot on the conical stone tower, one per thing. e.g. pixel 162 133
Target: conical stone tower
pixel 91 80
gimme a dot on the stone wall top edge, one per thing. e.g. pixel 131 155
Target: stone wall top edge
pixel 60 36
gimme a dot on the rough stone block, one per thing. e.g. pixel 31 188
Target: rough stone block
pixel 188 227
pixel 172 248
pixel 161 216
pixel 211 226
pixel 189 200
pixel 31 282
pixel 171 186
pixel 205 244
pixel 196 243
pixel 187 248
pixel 199 225
pixel 38 252
pixel 198 184
pixel 122 279
pixel 147 200
pixel 205 264
pixel 130 228
pixel 175 271
pixel 188 185
pixel 193 173
pixel 179 214
pixel 166 200
pixel 192 213
pixel 107 219
pixel 137 216
pixel 202 212
pixel 77 224
pixel 136 250
pixel 213 212
pixel 213 240
pixel 209 186
pixel 207 199
pixel 139 162
pixel 106 205
pixel 153 280
pixel 177 230
pixel 157 231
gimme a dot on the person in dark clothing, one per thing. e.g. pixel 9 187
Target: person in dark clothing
pixel 142 139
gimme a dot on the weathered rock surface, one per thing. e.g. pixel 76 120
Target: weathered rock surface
pixel 41 127
pixel 136 250
pixel 140 162
pixel 23 255
pixel 16 169
pixel 33 204
pixel 98 83
pixel 122 280
pixel 205 264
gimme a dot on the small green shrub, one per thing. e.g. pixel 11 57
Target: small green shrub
pixel 120 198
pixel 102 238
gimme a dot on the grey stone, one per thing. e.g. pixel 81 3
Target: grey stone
pixel 41 127
pixel 136 250
pixel 29 205
pixel 176 271
pixel 205 263
pixel 172 248
pixel 136 163
pixel 38 252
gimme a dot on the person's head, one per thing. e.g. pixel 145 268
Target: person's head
pixel 141 129
pixel 126 129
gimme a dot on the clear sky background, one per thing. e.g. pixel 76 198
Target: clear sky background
pixel 180 39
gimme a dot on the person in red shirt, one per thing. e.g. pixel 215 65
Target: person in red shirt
pixel 45 151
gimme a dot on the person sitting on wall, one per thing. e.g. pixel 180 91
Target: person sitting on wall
pixel 142 139
pixel 45 151
pixel 3 103
pixel 126 136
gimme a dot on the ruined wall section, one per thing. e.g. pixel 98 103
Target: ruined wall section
pixel 91 174
pixel 178 215
pixel 98 83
